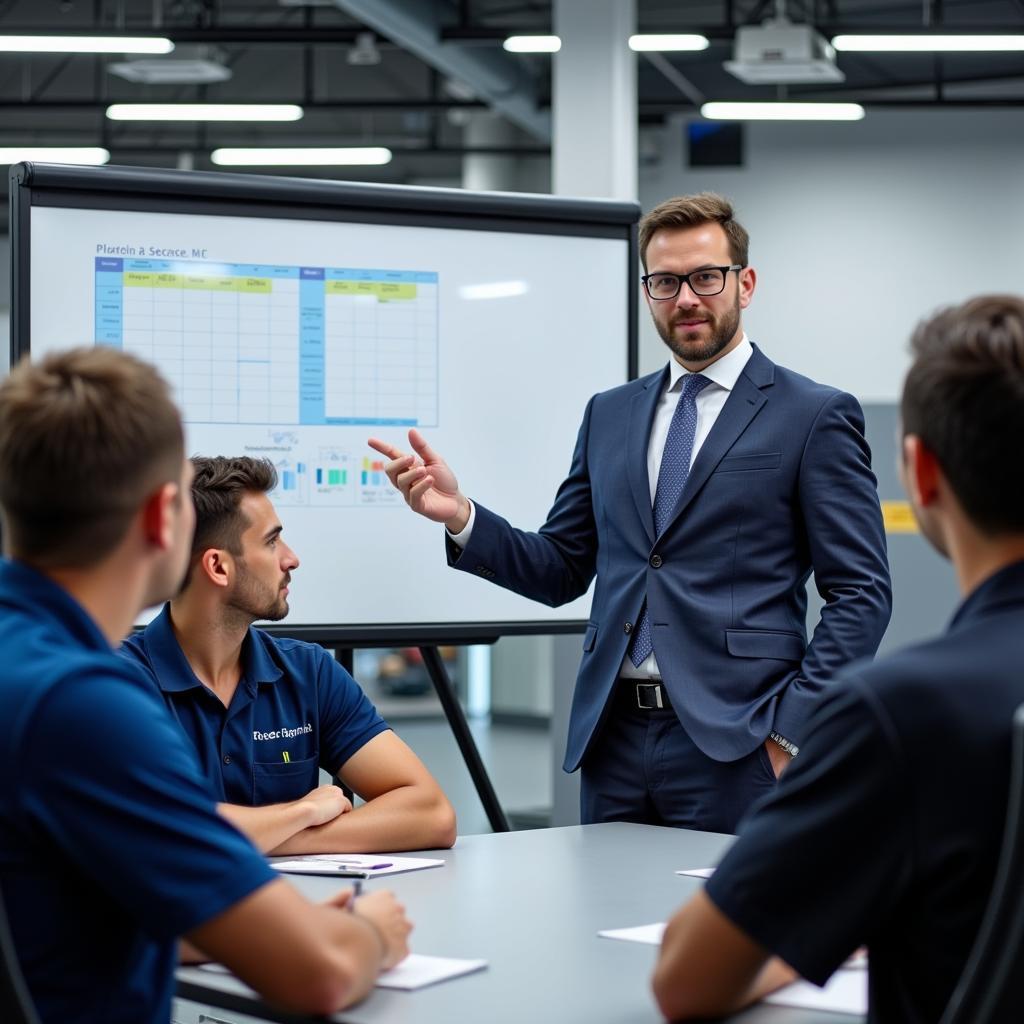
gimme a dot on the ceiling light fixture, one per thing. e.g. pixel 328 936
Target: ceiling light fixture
pixel 85 44
pixel 666 43
pixel 204 112
pixel 928 43
pixel 725 111
pixel 92 155
pixel 296 157
pixel 532 44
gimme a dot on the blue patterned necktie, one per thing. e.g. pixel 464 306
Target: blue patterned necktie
pixel 672 476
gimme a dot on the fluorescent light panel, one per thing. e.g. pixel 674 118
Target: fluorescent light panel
pixel 722 111
pixel 85 44
pixel 93 155
pixel 928 43
pixel 352 156
pixel 204 112
pixel 642 43
pixel 532 44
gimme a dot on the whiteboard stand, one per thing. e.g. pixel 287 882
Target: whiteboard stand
pixel 434 664
pixel 467 745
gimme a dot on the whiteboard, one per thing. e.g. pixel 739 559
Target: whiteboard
pixel 296 337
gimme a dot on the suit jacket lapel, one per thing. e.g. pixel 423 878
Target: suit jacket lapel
pixel 743 404
pixel 638 433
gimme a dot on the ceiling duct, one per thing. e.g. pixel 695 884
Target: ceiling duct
pixel 493 76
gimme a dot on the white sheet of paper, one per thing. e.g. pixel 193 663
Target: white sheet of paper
pixel 415 971
pixel 418 971
pixel 846 992
pixel 697 872
pixel 336 863
pixel 648 933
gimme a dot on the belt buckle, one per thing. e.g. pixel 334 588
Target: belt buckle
pixel 655 692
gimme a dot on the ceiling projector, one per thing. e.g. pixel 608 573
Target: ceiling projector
pixel 781 53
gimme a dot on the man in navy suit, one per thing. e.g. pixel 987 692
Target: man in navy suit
pixel 701 497
pixel 887 830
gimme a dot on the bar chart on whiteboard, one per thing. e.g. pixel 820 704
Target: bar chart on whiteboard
pixel 279 350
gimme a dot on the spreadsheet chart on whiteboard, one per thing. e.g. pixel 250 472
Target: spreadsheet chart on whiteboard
pixel 257 343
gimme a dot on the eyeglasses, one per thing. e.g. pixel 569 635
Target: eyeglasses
pixel 706 281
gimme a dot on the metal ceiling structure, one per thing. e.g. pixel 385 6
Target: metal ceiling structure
pixel 408 74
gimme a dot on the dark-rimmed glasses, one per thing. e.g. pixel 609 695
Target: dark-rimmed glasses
pixel 706 281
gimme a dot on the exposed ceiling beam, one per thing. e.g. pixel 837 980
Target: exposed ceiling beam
pixel 494 77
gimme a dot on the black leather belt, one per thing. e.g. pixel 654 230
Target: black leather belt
pixel 643 695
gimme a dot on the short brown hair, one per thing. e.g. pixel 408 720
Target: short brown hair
pixel 218 486
pixel 692 212
pixel 85 436
pixel 964 397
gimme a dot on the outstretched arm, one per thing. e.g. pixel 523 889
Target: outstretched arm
pixel 405 808
pixel 425 481
pixel 708 967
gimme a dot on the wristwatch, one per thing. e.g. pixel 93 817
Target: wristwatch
pixel 789 747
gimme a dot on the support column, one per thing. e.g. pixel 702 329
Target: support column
pixel 594 104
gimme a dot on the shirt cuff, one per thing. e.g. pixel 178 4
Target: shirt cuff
pixel 462 537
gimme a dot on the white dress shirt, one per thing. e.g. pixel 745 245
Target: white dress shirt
pixel 723 374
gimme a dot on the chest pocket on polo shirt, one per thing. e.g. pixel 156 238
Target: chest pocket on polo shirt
pixel 276 782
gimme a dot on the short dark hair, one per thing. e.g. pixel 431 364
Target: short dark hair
pixel 691 212
pixel 964 397
pixel 85 436
pixel 218 486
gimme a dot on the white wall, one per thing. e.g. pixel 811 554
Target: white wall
pixel 858 230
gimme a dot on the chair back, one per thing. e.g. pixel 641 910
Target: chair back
pixel 15 1003
pixel 990 984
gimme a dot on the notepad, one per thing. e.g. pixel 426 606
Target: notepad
pixel 418 971
pixel 647 933
pixel 845 992
pixel 697 872
pixel 341 865
pixel 415 971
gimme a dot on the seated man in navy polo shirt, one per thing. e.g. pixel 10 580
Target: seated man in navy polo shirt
pixel 110 844
pixel 886 830
pixel 266 714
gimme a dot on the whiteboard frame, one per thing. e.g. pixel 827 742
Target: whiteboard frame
pixel 250 195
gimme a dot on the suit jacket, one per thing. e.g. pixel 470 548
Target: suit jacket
pixel 782 486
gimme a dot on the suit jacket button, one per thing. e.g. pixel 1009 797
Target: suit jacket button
pixel 655 561
pixel 627 628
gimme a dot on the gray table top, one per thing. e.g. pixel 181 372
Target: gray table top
pixel 531 904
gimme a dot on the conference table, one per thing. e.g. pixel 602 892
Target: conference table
pixel 531 904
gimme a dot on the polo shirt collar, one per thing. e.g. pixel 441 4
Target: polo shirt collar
pixel 1003 589
pixel 724 372
pixel 23 587
pixel 173 671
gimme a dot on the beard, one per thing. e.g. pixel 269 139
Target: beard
pixel 694 346
pixel 256 599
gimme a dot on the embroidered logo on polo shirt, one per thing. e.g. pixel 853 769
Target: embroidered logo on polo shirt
pixel 282 734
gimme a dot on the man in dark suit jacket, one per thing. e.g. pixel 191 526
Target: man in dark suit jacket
pixel 701 497
pixel 887 830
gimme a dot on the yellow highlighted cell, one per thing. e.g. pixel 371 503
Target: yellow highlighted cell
pixel 898 517
pixel 139 279
pixel 254 284
pixel 384 291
